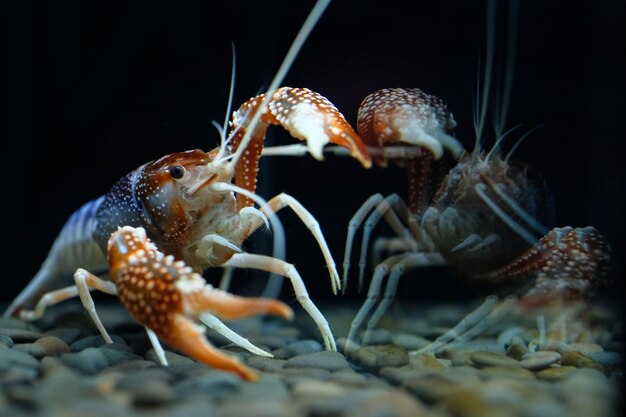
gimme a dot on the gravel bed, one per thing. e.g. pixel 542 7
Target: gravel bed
pixel 59 366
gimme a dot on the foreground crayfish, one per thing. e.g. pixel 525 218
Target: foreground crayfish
pixel 192 212
pixel 484 217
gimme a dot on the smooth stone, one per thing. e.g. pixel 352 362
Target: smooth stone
pixel 93 341
pixel 266 364
pixel 469 403
pixel 139 376
pixel 308 389
pixel 301 373
pixel 606 358
pixel 131 366
pixel 506 372
pixel 397 375
pixel 36 351
pixel 430 387
pixel 20 335
pixel 173 359
pixel 254 409
pixel 555 373
pixel 13 323
pixel 152 392
pixel 384 403
pixel 211 384
pixel 6 340
pixel 349 377
pixel 12 357
pixel 424 361
pixel 331 361
pixel 539 360
pixel 379 337
pixel 410 341
pixel 52 345
pixel 516 351
pixel 493 359
pixel 271 342
pixel 380 356
pixel 585 348
pixel 267 388
pixel 579 360
pixel 115 356
pixel 461 357
pixel 89 361
pixel 68 334
pixel 17 374
pixel 297 348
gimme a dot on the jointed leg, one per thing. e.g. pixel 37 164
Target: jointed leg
pixel 47 300
pixel 214 323
pixel 409 262
pixel 283 200
pixel 158 349
pixel 277 266
pixel 84 280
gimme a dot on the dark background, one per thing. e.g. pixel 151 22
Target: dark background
pixel 95 90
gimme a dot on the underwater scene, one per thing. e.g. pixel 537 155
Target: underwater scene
pixel 349 208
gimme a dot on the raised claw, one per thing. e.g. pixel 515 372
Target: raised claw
pixel 569 264
pixel 167 297
pixel 306 115
pixel 410 116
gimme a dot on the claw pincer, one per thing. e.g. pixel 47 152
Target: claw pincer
pixel 167 297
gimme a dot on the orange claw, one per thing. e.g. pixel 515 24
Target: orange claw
pixel 167 297
pixel 306 115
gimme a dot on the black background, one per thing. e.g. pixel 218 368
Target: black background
pixel 96 89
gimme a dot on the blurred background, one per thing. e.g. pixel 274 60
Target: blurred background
pixel 96 89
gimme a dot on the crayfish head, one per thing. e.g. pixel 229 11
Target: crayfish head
pixel 175 192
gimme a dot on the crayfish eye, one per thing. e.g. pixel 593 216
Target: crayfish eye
pixel 177 172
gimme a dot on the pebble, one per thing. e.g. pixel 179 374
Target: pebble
pixel 211 384
pixel 6 340
pixel 88 361
pixel 380 356
pixel 52 345
pixel 430 387
pixel 13 323
pixel 493 359
pixel 556 373
pixel 506 372
pixel 173 359
pixel 517 351
pixel 13 357
pixel 539 360
pixel 606 358
pixel 461 357
pixel 68 334
pixel 151 392
pixel 36 351
pixel 379 337
pixel 297 348
pixel 93 341
pixel 585 348
pixel 331 361
pixel 580 360
pixel 266 364
pixel 410 341
pixel 423 361
pixel 20 335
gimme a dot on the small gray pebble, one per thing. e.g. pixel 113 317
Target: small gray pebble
pixel 297 348
pixel 266 364
pixel 12 357
pixel 272 342
pixel 257 409
pixel 88 361
pixel 210 384
pixel 297 374
pixel 173 359
pixel 606 358
pixel 349 377
pixel 580 360
pixel 517 350
pixel 493 359
pixel 267 388
pixel 331 361
pixel 6 340
pixel 13 323
pixel 380 356
pixel 20 335
pixel 410 341
pixel 36 351
pixel 115 356
pixel 68 334
pixel 379 337
pixel 151 392
pixel 93 341
pixel 539 360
